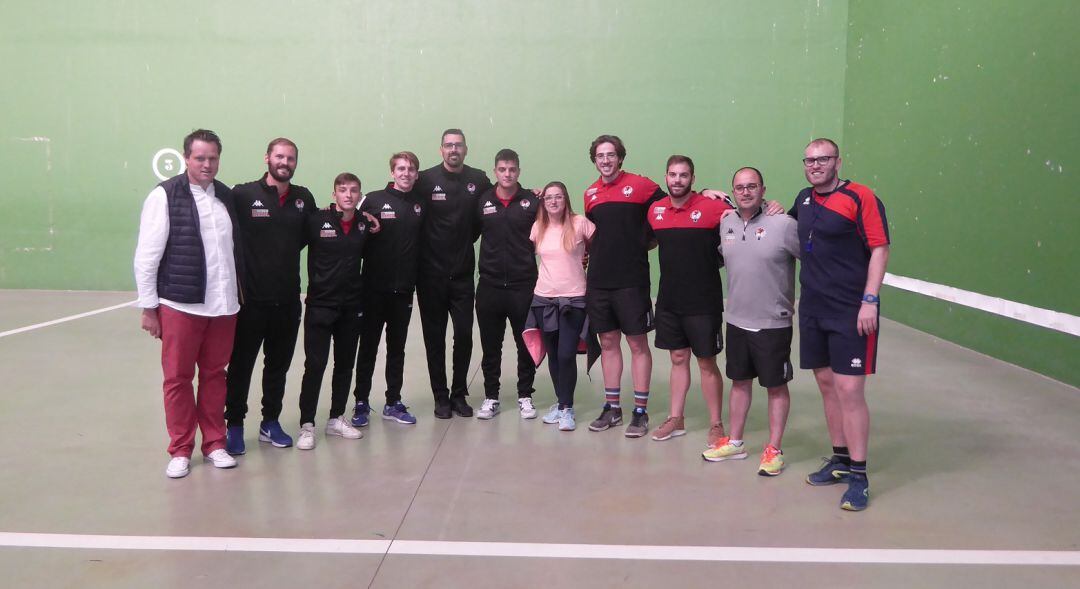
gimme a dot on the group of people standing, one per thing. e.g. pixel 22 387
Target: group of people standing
pixel 218 275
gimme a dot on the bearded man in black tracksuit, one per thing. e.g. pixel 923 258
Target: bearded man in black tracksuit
pixel 271 214
pixel 445 282
pixel 390 266
pixel 505 215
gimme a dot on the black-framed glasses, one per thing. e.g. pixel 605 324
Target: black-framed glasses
pixel 746 187
pixel 821 160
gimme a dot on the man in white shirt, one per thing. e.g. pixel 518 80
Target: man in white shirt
pixel 185 272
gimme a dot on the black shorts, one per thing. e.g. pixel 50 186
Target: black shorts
pixel 765 354
pixel 836 343
pixel 628 310
pixel 703 334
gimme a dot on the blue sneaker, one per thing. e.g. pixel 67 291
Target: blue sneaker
pixel 270 431
pixel 858 493
pixel 832 471
pixel 398 412
pixel 360 414
pixel 234 440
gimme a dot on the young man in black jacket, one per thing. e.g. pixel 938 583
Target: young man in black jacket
pixel 336 240
pixel 271 213
pixel 445 281
pixel 390 264
pixel 505 215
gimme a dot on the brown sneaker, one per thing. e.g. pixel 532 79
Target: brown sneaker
pixel 672 427
pixel 609 417
pixel 715 433
pixel 639 425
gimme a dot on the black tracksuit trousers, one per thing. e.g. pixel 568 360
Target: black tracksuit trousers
pixel 439 299
pixel 494 307
pixel 272 328
pixel 321 325
pixel 394 311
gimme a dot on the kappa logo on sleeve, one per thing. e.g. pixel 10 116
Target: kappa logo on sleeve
pixel 257 203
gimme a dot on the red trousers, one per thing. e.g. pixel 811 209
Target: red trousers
pixel 188 341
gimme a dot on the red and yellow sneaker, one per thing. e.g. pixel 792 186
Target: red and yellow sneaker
pixel 772 462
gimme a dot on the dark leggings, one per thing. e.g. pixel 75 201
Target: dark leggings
pixel 561 349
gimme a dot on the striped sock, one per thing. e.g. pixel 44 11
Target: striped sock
pixel 611 397
pixel 641 400
pixel 841 455
pixel 858 467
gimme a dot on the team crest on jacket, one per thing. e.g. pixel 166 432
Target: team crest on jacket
pixel 299 204
pixel 759 233
pixel 471 188
pixel 695 215
pixel 627 191
pixel 416 209
pixel 525 204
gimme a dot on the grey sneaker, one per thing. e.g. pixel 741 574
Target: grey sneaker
pixel 639 425
pixel 552 416
pixel 609 417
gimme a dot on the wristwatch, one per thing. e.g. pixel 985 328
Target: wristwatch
pixel 872 299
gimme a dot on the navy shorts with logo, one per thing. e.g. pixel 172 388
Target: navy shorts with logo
pixel 703 334
pixel 628 310
pixel 764 354
pixel 836 343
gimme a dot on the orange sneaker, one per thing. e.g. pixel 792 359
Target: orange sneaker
pixel 772 462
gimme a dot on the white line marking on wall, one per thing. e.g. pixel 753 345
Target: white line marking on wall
pixel 540 550
pixel 1048 318
pixel 65 319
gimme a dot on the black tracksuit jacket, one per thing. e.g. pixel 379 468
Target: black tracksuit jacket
pixel 446 250
pixel 391 257
pixel 507 256
pixel 334 259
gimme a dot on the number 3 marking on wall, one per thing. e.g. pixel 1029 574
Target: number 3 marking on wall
pixel 167 163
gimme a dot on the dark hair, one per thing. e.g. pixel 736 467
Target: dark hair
pixel 756 171
pixel 405 155
pixel 507 155
pixel 204 135
pixel 620 149
pixel 825 140
pixel 680 159
pixel 346 177
pixel 452 132
pixel 282 141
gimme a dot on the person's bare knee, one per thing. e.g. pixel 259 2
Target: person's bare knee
pixel 680 357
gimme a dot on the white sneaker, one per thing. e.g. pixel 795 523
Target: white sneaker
pixel 306 439
pixel 340 426
pixel 178 467
pixel 526 407
pixel 552 416
pixel 566 420
pixel 221 459
pixel 488 409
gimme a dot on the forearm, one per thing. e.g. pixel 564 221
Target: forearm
pixel 879 259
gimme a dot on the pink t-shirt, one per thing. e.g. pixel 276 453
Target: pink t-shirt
pixel 561 273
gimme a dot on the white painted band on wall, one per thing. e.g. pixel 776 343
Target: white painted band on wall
pixel 1047 318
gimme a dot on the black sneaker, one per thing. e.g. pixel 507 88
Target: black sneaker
pixel 442 409
pixel 459 406
pixel 609 417
pixel 639 424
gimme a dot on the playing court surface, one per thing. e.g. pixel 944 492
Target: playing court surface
pixel 974 469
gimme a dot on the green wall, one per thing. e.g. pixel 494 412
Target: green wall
pixel 962 115
pixel 110 83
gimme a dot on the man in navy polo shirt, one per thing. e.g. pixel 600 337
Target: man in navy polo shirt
pixel 844 238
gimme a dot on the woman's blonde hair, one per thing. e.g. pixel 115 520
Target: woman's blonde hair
pixel 543 219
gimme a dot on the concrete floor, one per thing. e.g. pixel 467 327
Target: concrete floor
pixel 967 453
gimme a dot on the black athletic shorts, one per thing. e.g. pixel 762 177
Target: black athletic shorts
pixel 836 343
pixel 765 354
pixel 703 334
pixel 628 310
